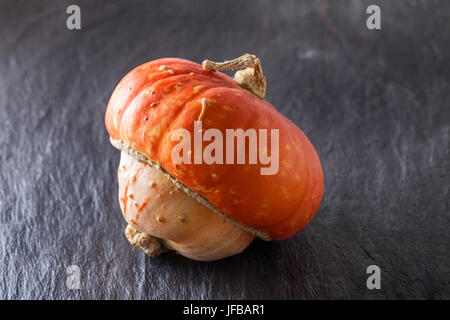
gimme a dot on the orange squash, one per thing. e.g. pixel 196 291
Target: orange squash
pixel 163 95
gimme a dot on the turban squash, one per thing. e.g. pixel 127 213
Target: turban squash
pixel 206 211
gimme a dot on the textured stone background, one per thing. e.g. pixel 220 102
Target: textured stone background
pixel 374 103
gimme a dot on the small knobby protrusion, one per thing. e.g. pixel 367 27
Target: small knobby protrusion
pixel 251 78
pixel 149 244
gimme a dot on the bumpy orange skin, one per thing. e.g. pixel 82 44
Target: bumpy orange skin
pixel 151 101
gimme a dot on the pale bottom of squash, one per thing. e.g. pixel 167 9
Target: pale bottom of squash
pixel 161 216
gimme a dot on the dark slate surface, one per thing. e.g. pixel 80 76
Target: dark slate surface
pixel 374 103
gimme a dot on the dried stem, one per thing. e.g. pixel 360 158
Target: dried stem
pixel 251 78
pixel 149 244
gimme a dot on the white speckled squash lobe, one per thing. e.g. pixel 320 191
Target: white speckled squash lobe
pixel 152 204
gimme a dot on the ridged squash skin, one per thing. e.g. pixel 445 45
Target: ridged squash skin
pixel 163 95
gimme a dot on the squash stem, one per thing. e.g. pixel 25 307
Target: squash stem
pixel 251 78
